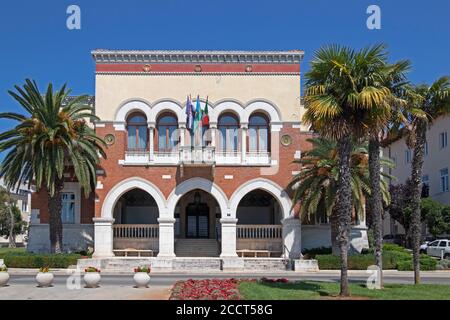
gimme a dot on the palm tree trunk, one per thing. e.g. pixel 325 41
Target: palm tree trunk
pixel 334 233
pixel 55 222
pixel 12 222
pixel 375 202
pixel 416 197
pixel 344 208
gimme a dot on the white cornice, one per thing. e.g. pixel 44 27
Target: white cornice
pixel 180 56
pixel 254 74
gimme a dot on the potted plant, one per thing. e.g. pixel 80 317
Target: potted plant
pixel 44 278
pixel 92 277
pixel 4 276
pixel 141 276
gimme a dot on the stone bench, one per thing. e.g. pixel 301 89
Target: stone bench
pixel 255 253
pixel 138 252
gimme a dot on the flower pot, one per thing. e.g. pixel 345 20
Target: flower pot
pixel 141 279
pixel 44 279
pixel 4 278
pixel 92 279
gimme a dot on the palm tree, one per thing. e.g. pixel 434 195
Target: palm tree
pixel 316 185
pixel 49 139
pixel 392 76
pixel 338 96
pixel 426 104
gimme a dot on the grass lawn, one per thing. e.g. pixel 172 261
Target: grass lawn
pixel 311 290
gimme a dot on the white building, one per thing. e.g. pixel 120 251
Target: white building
pixel 436 166
pixel 22 196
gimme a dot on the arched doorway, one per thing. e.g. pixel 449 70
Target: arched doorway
pixel 136 222
pixel 259 229
pixel 197 226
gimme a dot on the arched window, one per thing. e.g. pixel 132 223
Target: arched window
pixel 228 131
pixel 258 133
pixel 137 132
pixel 166 126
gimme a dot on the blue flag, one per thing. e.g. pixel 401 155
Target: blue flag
pixel 198 115
pixel 189 114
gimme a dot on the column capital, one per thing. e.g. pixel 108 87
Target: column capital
pixel 151 125
pixel 166 220
pixel 103 220
pixel 244 125
pixel 228 221
pixel 213 125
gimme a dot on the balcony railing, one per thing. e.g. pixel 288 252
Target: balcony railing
pixel 197 155
pixel 258 157
pixel 166 157
pixel 258 231
pixel 228 157
pixel 137 156
pixel 136 231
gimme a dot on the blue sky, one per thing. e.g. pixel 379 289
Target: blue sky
pixel 35 42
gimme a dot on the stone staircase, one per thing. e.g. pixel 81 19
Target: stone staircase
pixel 197 248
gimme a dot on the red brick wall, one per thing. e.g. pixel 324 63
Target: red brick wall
pixel 39 200
pixel 115 173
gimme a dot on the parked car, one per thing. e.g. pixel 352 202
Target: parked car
pixel 439 248
pixel 394 238
pixel 424 246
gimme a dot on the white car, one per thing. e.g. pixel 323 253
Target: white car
pixel 439 249
pixel 424 246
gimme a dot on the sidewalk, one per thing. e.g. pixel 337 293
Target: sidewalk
pixel 440 273
pixel 105 292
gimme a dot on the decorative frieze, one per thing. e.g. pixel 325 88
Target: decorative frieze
pixel 148 57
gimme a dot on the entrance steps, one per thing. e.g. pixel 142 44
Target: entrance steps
pixel 197 248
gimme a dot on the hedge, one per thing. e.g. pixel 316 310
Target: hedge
pixel 394 257
pixel 30 260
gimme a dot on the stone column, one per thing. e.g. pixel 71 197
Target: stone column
pixel 244 127
pixel 166 237
pixel 228 237
pixel 151 130
pixel 103 237
pixel 292 237
pixel 182 130
pixel 213 128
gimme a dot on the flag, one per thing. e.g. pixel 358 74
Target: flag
pixel 205 118
pixel 189 114
pixel 198 115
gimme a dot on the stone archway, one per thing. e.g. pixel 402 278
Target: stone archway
pixel 266 185
pixel 126 185
pixel 197 183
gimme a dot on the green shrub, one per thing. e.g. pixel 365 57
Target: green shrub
pixel 393 247
pixel 30 260
pixel 355 262
pixel 443 264
pixel 392 259
pixel 311 253
pixel 426 264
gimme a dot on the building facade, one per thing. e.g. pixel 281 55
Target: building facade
pixel 22 198
pixel 221 190
pixel 435 167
